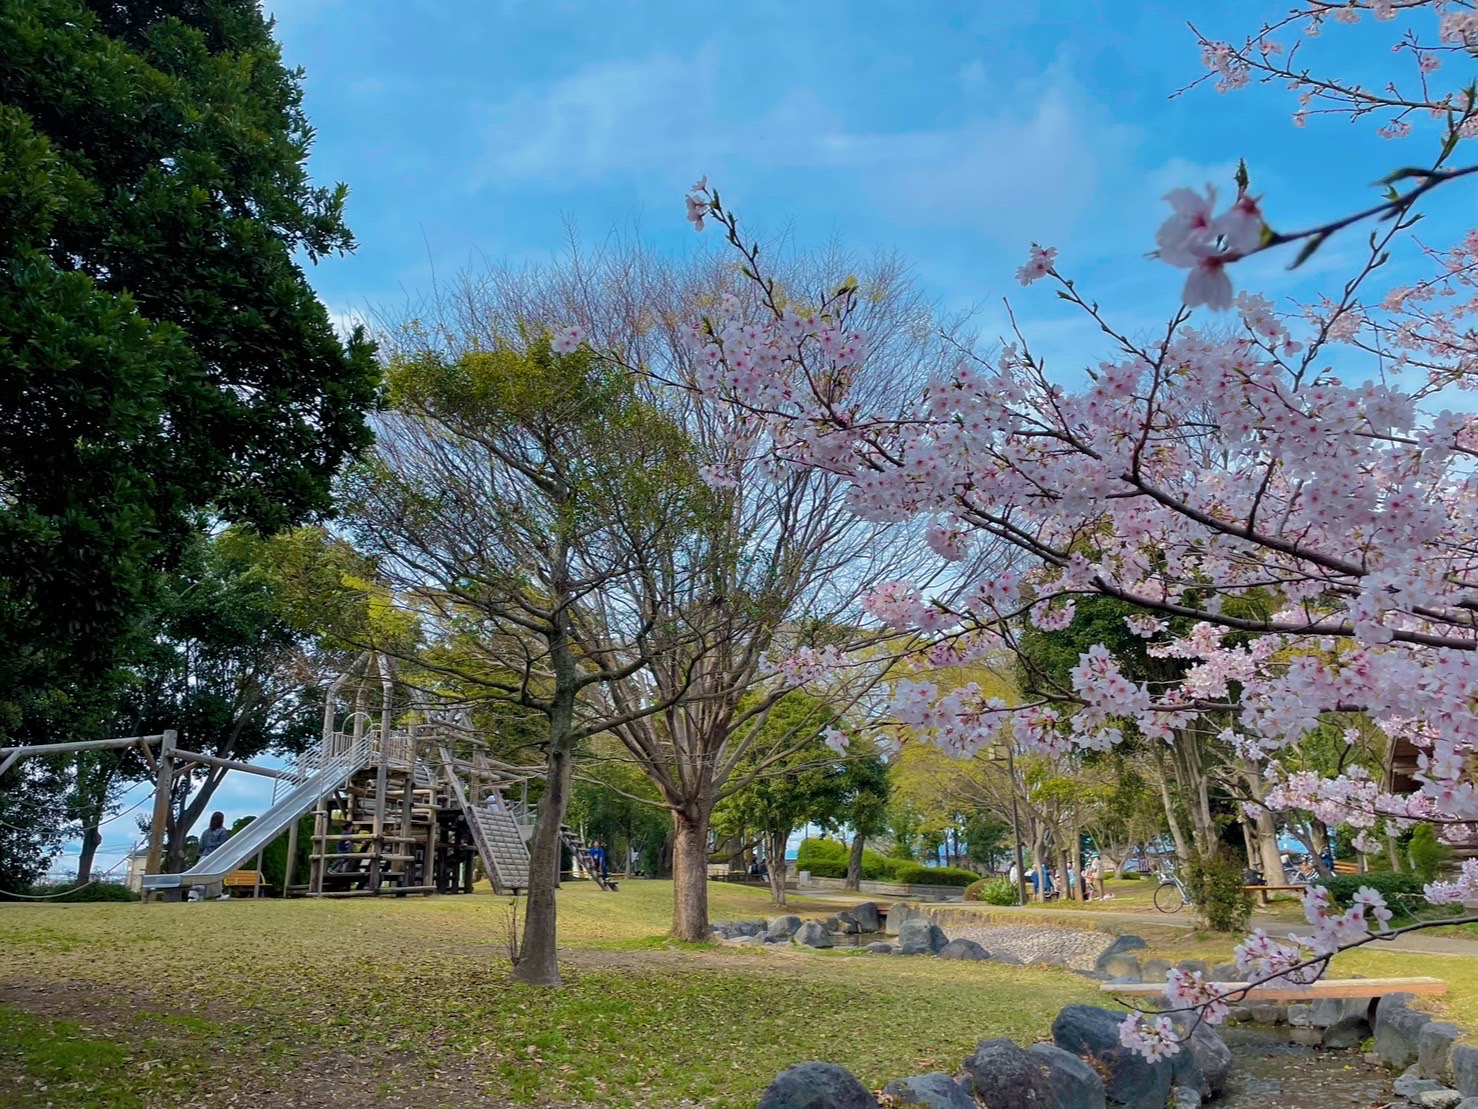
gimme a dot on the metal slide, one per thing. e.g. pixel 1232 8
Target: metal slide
pixel 265 828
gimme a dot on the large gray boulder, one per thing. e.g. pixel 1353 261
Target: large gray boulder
pixel 1130 1080
pixel 1345 1033
pixel 783 927
pixel 816 1086
pixel 1076 1084
pixel 1155 970
pixel 812 933
pixel 1006 1077
pixel 848 922
pixel 1212 1057
pixel 966 950
pixel 1412 1085
pixel 1398 1029
pixel 899 914
pixel 1227 972
pixel 879 948
pixel 1465 1069
pixel 866 915
pixel 1121 965
pixel 1434 1049
pixel 920 937
pixel 933 1091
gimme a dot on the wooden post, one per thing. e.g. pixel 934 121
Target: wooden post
pixel 382 771
pixel 163 788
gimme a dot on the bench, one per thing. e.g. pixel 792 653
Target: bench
pixel 239 879
pixel 1263 891
pixel 1325 987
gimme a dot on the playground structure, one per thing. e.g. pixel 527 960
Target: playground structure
pixel 399 807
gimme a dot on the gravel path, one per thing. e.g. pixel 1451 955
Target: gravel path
pixel 1035 943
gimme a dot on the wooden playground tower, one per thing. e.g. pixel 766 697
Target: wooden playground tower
pixel 399 807
pixel 415 815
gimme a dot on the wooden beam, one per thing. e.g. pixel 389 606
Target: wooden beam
pixel 1325 987
pixel 79 745
pixel 230 764
pixel 163 783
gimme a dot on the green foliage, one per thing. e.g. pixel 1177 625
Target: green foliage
pixel 1427 855
pixel 916 874
pixel 162 354
pixel 992 891
pixel 1216 886
pixel 828 858
pixel 1402 892
pixel 57 892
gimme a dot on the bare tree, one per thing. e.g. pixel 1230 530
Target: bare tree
pixel 783 566
pixel 513 502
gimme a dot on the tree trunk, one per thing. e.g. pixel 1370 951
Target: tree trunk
pixel 1182 849
pixel 690 873
pixel 538 963
pixel 1393 851
pixel 1075 853
pixel 1267 846
pixel 854 864
pixel 776 850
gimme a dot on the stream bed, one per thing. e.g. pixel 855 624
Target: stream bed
pixel 1270 1070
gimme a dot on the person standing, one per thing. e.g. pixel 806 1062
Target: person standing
pixel 210 840
pixel 598 860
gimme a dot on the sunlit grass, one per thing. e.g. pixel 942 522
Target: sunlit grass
pixel 274 994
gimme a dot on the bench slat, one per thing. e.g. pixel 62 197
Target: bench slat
pixel 1325 987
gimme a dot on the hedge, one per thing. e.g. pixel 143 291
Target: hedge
pixel 828 858
pixel 1402 892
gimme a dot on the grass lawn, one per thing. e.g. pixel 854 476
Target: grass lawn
pixel 408 1002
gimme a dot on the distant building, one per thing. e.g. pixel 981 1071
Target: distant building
pixel 133 878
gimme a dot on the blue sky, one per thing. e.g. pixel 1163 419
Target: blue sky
pixel 954 132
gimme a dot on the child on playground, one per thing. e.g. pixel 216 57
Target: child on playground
pixel 211 839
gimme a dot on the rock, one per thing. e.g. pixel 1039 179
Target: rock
pixel 867 916
pixel 879 948
pixel 1154 970
pixel 1226 972
pixel 1183 1097
pixel 1434 1049
pixel 812 934
pixel 1193 966
pixel 899 914
pixel 1347 1032
pixel 816 1086
pixel 1412 1085
pixel 1129 1079
pixel 1127 942
pixel 1301 1014
pixel 1465 1069
pixel 1121 966
pixel 832 924
pixel 1267 1012
pixel 1373 1058
pixel 924 934
pixel 965 950
pixel 1239 1014
pixel 1212 1056
pixel 1010 1077
pixel 848 924
pixel 1467 1103
pixel 1397 1029
pixel 783 927
pixel 1076 1084
pixel 1440 1099
pixel 935 1091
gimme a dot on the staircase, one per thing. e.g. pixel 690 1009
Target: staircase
pixel 499 842
pixel 583 861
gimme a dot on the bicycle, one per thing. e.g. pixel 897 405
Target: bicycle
pixel 1171 894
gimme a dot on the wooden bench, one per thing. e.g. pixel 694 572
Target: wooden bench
pixel 1263 891
pixel 239 879
pixel 1325 987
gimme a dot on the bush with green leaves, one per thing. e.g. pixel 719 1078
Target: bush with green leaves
pixel 1402 892
pixel 1216 883
pixel 54 892
pixel 992 891
pixel 1427 856
pixel 917 874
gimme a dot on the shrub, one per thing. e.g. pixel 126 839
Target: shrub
pixel 97 891
pixel 916 874
pixel 1215 883
pixel 1402 892
pixel 1130 876
pixel 1426 854
pixel 993 891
